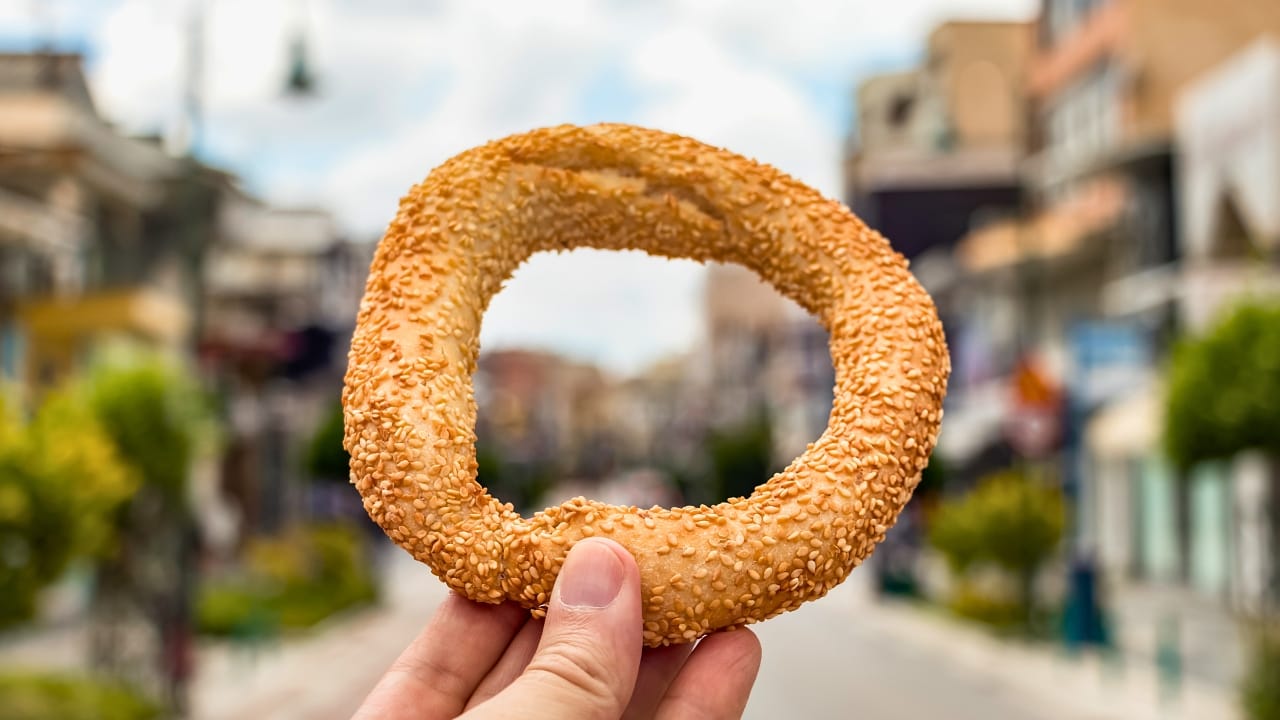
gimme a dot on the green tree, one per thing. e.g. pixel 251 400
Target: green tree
pixel 1022 526
pixel 325 457
pixel 62 482
pixel 741 457
pixel 154 413
pixel 158 418
pixel 1224 389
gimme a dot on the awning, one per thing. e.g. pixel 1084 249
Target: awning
pixel 1053 233
pixel 1129 427
pixel 1228 130
pixel 973 423
pixel 150 314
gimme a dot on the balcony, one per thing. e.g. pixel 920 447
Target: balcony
pixel 140 313
pixel 1053 235
pixel 1100 35
pixel 39 225
pixel 1207 289
pixel 914 169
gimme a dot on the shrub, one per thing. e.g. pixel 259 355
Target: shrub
pixel 291 582
pixel 1007 521
pixel 1261 691
pixel 30 696
pixel 1022 522
pixel 236 609
pixel 997 611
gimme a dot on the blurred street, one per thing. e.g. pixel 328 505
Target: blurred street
pixel 192 195
pixel 848 657
pixel 841 657
pixel 326 674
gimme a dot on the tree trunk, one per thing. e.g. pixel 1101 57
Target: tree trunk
pixel 141 619
pixel 1182 522
pixel 1271 604
pixel 1027 595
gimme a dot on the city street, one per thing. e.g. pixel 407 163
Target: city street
pixel 842 657
pixel 824 661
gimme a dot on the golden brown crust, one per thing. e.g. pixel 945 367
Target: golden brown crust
pixel 410 411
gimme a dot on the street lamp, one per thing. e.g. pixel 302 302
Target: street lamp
pixel 300 81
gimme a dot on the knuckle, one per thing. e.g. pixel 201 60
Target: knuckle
pixel 577 666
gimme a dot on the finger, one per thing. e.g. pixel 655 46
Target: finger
pixel 658 667
pixel 436 675
pixel 716 681
pixel 586 664
pixel 513 662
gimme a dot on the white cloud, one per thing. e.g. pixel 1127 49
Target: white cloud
pixel 136 78
pixel 825 34
pixel 706 92
pixel 622 310
pixel 406 84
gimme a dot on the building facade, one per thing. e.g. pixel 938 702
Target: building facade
pixel 936 149
pixel 767 358
pixel 102 236
pixel 1148 169
pixel 1227 135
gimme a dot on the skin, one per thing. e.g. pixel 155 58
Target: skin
pixel 585 660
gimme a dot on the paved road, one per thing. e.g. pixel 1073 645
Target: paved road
pixel 823 662
pixel 819 663
pixel 841 657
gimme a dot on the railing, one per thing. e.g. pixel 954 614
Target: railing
pixel 36 223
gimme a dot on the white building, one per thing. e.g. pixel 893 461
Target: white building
pixel 1228 129
pixel 1197 548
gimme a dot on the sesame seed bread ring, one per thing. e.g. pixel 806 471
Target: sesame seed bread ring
pixel 410 409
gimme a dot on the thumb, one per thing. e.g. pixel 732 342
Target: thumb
pixel 586 663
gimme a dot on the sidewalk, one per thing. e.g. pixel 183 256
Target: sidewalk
pixel 324 674
pixel 320 675
pixel 845 654
pixel 1086 685
pixel 1214 644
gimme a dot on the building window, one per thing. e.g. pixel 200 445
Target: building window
pixel 900 110
pixel 24 274
pixel 1063 17
pixel 11 352
pixel 1084 120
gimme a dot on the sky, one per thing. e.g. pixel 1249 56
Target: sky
pixel 405 84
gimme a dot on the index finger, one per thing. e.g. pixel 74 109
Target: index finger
pixel 716 681
pixel 436 675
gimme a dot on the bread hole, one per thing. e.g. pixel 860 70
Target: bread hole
pixel 637 380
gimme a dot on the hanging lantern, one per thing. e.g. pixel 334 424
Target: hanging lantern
pixel 301 81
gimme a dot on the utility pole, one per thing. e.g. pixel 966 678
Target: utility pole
pixel 191 119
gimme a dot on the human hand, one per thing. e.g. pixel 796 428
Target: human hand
pixel 585 661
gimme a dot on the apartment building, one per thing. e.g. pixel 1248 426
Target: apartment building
pixel 1148 168
pixel 101 235
pixel 936 149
